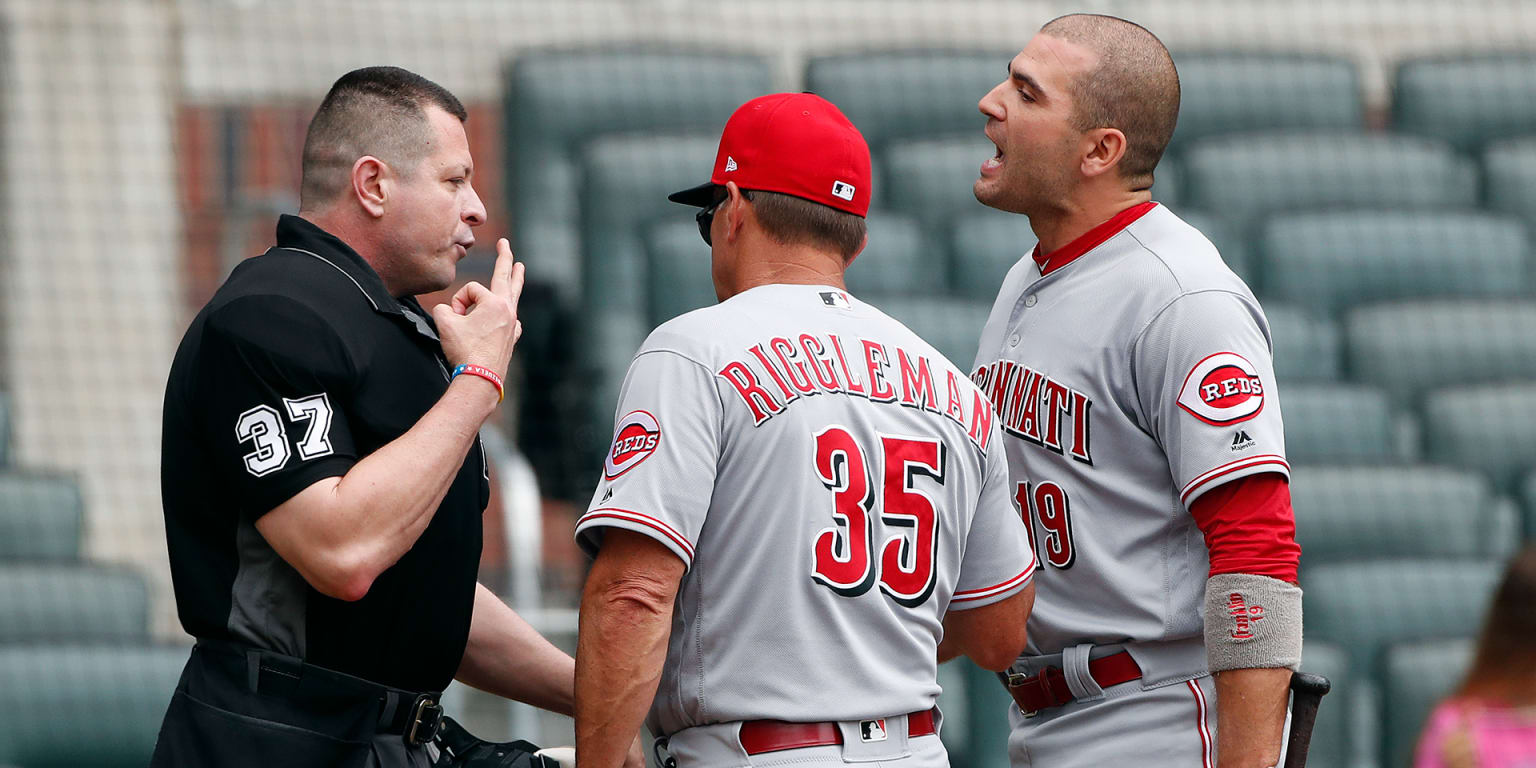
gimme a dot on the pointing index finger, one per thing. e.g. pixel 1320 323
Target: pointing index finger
pixel 501 274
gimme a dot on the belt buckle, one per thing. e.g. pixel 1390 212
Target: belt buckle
pixel 426 718
pixel 1042 680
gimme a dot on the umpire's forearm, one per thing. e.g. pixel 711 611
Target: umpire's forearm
pixel 506 656
pixel 1250 716
pixel 626 618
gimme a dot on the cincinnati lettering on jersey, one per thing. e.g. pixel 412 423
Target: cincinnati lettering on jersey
pixel 1037 408
pixel 776 373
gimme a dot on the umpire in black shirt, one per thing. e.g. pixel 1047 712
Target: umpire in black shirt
pixel 322 474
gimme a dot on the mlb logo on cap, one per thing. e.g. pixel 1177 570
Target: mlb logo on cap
pixel 794 144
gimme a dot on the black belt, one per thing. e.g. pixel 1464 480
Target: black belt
pixel 415 716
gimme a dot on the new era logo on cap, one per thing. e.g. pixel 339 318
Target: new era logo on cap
pixel 843 190
pixel 730 163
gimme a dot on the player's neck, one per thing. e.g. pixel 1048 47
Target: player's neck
pixel 1061 226
pixel 788 265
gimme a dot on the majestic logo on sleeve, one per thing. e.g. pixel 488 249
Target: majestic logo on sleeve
pixel 1223 389
pixel 634 441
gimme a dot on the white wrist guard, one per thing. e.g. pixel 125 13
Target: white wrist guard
pixel 1252 622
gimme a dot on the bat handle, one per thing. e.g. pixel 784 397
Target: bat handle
pixel 1307 691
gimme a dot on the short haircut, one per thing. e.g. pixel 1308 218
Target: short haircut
pixel 1134 88
pixel 796 221
pixel 378 111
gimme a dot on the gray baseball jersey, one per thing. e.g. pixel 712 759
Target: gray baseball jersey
pixel 834 486
pixel 1131 372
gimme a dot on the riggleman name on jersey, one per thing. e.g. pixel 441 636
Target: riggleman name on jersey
pixel 1037 408
pixel 774 374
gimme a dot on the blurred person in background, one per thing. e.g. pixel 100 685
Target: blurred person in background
pixel 322 473
pixel 1132 372
pixel 1490 721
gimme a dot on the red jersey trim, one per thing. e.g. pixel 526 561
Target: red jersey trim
pixel 985 592
pixel 1200 723
pixel 611 513
pixel 1226 469
pixel 1089 240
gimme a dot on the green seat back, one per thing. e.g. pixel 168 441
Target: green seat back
pixel 679 276
pixel 1528 496
pixel 1363 607
pixel 1411 347
pixel 1466 100
pixel 952 326
pixel 1251 176
pixel 1338 423
pixel 1348 513
pixel 1417 677
pixel 1486 427
pixel 1327 262
pixel 1238 92
pixel 44 603
pixel 558 101
pixel 626 180
pixel 95 705
pixel 897 260
pixel 40 517
pixel 986 244
pixel 1330 746
pixel 910 93
pixel 1306 348
pixel 931 179
pixel 5 430
pixel 1510 168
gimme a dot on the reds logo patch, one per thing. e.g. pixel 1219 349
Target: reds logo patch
pixel 1222 389
pixel 634 441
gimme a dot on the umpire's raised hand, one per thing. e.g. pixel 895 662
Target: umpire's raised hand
pixel 480 326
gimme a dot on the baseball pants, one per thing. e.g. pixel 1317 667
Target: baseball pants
pixel 718 746
pixel 1173 725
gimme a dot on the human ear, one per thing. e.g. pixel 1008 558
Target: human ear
pixel 370 184
pixel 1104 149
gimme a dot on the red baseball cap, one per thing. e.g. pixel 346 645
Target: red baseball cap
pixel 793 143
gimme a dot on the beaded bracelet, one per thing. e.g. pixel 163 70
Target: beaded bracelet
pixel 484 373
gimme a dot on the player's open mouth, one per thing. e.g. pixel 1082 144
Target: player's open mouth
pixel 993 163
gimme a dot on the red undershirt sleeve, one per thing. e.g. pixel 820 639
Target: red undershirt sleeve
pixel 1249 527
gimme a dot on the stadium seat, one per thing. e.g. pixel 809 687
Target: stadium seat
pixel 897 260
pixel 1339 423
pixel 1466 100
pixel 5 430
pixel 558 101
pixel 1327 262
pixel 1331 743
pixel 1363 607
pixel 1237 92
pixel 72 603
pixel 931 179
pixel 907 94
pixel 69 705
pixel 1485 428
pixel 1306 348
pixel 1251 176
pixel 626 180
pixel 1510 168
pixel 952 326
pixel 1348 513
pixel 40 517
pixel 985 245
pixel 679 276
pixel 1411 347
pixel 1417 677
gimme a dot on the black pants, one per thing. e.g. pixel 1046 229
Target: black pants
pixel 231 712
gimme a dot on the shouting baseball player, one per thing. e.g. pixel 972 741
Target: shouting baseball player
pixel 802 496
pixel 1131 374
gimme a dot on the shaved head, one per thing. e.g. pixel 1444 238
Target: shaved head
pixel 377 111
pixel 1133 88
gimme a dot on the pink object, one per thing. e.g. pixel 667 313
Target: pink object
pixel 1463 732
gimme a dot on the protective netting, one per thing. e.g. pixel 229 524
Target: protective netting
pixel 1367 166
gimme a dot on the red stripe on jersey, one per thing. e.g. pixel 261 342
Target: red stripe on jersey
pixel 1089 240
pixel 1228 468
pixel 646 520
pixel 984 592
pixel 1201 724
pixel 1249 527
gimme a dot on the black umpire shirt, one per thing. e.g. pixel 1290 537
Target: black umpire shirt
pixel 300 365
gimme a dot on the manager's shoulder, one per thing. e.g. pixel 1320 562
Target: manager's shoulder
pixel 1188 259
pixel 698 335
